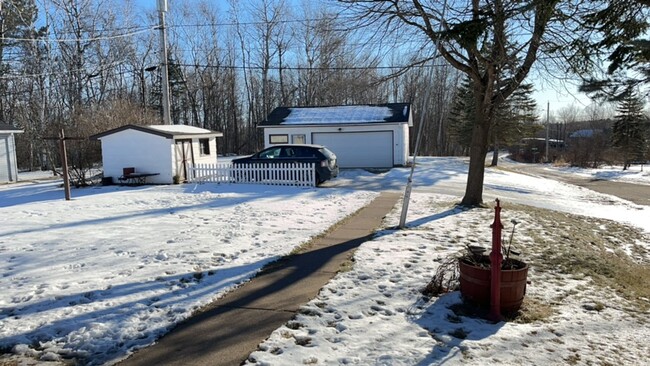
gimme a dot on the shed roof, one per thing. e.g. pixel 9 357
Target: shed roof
pixel 167 131
pixel 7 128
pixel 337 115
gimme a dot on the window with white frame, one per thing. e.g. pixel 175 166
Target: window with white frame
pixel 278 139
pixel 298 139
pixel 204 146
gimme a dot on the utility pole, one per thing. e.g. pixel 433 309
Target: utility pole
pixel 162 9
pixel 548 104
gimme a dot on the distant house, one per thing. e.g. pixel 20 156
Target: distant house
pixel 585 134
pixel 167 150
pixel 361 136
pixel 8 165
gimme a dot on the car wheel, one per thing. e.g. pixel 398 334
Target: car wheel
pixel 317 180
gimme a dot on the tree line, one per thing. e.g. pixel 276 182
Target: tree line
pixel 90 65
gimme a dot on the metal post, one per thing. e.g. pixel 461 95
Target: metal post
pixel 64 162
pixel 548 104
pixel 496 258
pixel 162 9
pixel 409 183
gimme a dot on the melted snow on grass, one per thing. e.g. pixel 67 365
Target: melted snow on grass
pixel 374 314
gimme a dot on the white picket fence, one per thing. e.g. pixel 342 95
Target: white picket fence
pixel 285 174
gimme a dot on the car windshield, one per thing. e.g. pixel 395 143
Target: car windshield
pixel 328 153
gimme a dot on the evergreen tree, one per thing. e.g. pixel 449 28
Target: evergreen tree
pixel 628 133
pixel 177 91
pixel 17 18
pixel 623 38
pixel 461 117
pixel 514 120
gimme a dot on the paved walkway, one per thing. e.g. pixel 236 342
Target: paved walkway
pixel 231 328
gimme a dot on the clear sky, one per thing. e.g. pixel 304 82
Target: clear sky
pixel 558 95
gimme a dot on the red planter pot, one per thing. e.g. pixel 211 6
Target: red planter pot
pixel 475 284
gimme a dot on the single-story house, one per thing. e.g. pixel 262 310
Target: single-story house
pixel 361 136
pixel 8 165
pixel 165 150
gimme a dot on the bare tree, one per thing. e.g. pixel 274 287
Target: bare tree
pixel 495 43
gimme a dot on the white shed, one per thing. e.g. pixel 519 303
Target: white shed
pixel 8 165
pixel 361 136
pixel 165 150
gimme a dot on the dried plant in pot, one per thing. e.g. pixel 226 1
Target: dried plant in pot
pixel 475 277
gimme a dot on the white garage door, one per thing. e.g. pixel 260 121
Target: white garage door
pixel 359 149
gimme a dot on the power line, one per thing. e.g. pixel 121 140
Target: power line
pixel 233 24
pixel 251 67
pixel 308 68
pixel 77 39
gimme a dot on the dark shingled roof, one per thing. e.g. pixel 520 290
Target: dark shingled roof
pixel 9 128
pixel 398 113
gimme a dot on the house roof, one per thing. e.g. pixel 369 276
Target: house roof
pixel 585 133
pixel 7 128
pixel 336 115
pixel 167 131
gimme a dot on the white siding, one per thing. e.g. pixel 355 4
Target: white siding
pixel 402 152
pixel 8 170
pixel 205 159
pixel 146 152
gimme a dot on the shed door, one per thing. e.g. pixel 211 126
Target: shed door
pixel 183 157
pixel 359 149
pixel 5 161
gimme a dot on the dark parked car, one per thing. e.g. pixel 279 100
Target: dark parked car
pixel 324 159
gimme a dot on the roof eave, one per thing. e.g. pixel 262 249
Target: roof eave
pixel 130 127
pixel 410 123
pixel 196 135
pixel 12 131
pixel 153 131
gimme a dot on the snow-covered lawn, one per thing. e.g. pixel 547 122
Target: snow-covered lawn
pixel 115 267
pixel 639 174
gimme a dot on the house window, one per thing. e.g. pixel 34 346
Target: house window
pixel 204 146
pixel 298 139
pixel 278 139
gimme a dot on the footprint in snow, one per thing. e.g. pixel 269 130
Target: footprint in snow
pixel 19 299
pixel 302 340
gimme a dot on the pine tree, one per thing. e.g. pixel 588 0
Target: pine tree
pixel 628 133
pixel 17 21
pixel 514 120
pixel 460 119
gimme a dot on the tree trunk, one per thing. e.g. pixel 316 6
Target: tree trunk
pixel 495 154
pixel 478 150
